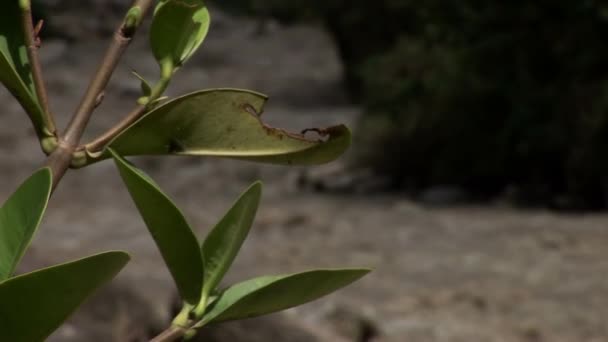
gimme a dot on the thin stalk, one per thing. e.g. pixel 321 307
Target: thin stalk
pixel 89 102
pixel 32 42
pixel 121 40
pixel 171 334
pixel 59 161
pixel 101 141
pixel 142 108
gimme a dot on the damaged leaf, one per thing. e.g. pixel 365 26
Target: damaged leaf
pixel 15 69
pixel 225 123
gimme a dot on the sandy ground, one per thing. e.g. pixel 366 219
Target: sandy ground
pixel 440 274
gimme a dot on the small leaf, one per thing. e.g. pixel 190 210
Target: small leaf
pixel 146 89
pixel 223 243
pixel 224 123
pixel 15 70
pixel 35 304
pixel 270 294
pixel 178 29
pixel 20 217
pixel 169 229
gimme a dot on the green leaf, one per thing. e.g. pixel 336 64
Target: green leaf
pixel 15 69
pixel 20 217
pixel 224 123
pixel 145 87
pixel 223 243
pixel 178 29
pixel 270 294
pixel 35 304
pixel 169 229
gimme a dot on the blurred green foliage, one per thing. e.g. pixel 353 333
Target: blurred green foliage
pixel 486 95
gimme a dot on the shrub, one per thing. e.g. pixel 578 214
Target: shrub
pixel 213 122
pixel 484 95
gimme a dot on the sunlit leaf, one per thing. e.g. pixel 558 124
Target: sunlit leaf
pixel 270 294
pixel 225 123
pixel 19 217
pixel 172 234
pixel 223 243
pixel 15 70
pixel 34 305
pixel 178 29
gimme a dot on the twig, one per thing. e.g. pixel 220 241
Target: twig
pixel 120 42
pixel 33 43
pixel 98 143
pixel 59 161
pixel 171 334
pixel 142 108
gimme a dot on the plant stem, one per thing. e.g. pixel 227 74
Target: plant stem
pixel 98 143
pixel 120 42
pixel 31 40
pixel 59 161
pixel 171 334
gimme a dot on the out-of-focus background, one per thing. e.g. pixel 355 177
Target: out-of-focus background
pixel 475 188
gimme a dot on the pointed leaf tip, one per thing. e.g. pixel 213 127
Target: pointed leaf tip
pixel 264 295
pixel 225 240
pixel 145 87
pixel 169 229
pixel 20 217
pixel 36 304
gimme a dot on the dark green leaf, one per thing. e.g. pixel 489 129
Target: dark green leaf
pixel 15 70
pixel 225 123
pixel 172 234
pixel 34 305
pixel 178 29
pixel 223 243
pixel 20 217
pixel 270 294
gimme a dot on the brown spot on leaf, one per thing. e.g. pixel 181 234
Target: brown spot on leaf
pixel 175 146
pixel 323 133
pixel 251 110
